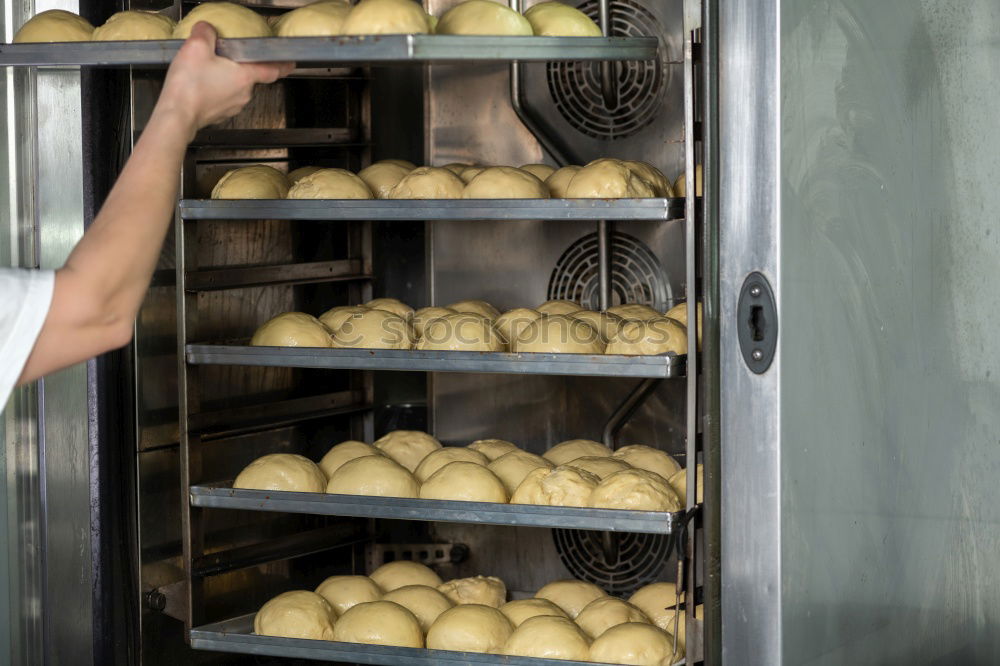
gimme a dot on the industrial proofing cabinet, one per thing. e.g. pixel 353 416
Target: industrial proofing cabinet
pixel 847 223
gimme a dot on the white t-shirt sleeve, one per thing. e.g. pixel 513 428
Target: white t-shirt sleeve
pixel 25 296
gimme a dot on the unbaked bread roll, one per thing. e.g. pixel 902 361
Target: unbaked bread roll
pixel 559 307
pixel 330 184
pixel 644 338
pixel 394 575
pixel 475 307
pixel 471 172
pixel 636 490
pixel 634 643
pixel 653 176
pixel 571 449
pixel 296 614
pixel 423 316
pixel 678 481
pixel 382 177
pixel 282 471
pixel 562 486
pixel 464 482
pixel 505 183
pixel 428 182
pixel 470 628
pixel 554 19
pixel 296 175
pixel 607 179
pixel 378 476
pixel 679 313
pixel 426 603
pixel 572 596
pixel 317 19
pixel 600 467
pixel 393 305
pixel 605 323
pixel 548 637
pixel 343 453
pixel 292 329
pixel 493 448
pixel 435 460
pixel 386 17
pixel 253 182
pixel 461 332
pixel 407 447
pixel 134 25
pixel 601 614
pixel 373 329
pixel 539 171
pixel 558 334
pixel 524 609
pixel 406 164
pixel 657 601
pixel 55 25
pixel 485 590
pixel 336 317
pixel 512 467
pixel 645 457
pixel 379 623
pixel 558 182
pixel 230 20
pixel 680 186
pixel 511 323
pixel 344 592
pixel 456 167
pixel 482 17
pixel 634 311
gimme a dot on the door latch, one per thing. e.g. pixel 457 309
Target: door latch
pixel 757 323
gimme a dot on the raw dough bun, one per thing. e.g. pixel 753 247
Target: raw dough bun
pixel 292 329
pixel 386 17
pixel 644 338
pixel 486 590
pixel 493 448
pixel 406 164
pixel 657 601
pixel 572 596
pixel 559 181
pixel 343 453
pixel 511 323
pixel 377 476
pixel 296 614
pixel 230 20
pixel 636 490
pixel 379 623
pixel 393 305
pixel 482 17
pixel 373 329
pixel 300 173
pixel 470 628
pixel 562 486
pixel 679 483
pixel 435 460
pixel 428 182
pixel 601 614
pixel 282 471
pixel 572 449
pixel 317 19
pixel 253 182
pixel 344 592
pixel 548 637
pixel 634 311
pixel 461 332
pixel 475 307
pixel 426 603
pixel 539 171
pixel 524 609
pixel 55 25
pixel 512 467
pixel 464 482
pixel 334 318
pixel 505 183
pixel 407 447
pixel 401 573
pixel 600 467
pixel 134 26
pixel 607 179
pixel 653 176
pixel 382 177
pixel 559 307
pixel 605 323
pixel 330 184
pixel 554 19
pixel 456 167
pixel 679 313
pixel 471 172
pixel 424 316
pixel 558 334
pixel 649 459
pixel 680 186
pixel 636 644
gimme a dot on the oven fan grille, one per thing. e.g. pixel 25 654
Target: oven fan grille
pixel 634 560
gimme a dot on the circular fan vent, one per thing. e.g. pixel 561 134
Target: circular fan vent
pixel 576 86
pixel 619 563
pixel 636 274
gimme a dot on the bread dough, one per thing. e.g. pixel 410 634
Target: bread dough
pixel 636 490
pixel 470 628
pixel 253 182
pixel 601 614
pixel 600 467
pixel 393 305
pixel 344 592
pixel 562 486
pixel 679 483
pixel 539 171
pixel 230 20
pixel 300 173
pixel 379 623
pixel 559 181
pixel 559 307
pixel 55 25
pixel 493 448
pixel 394 575
pixel 475 307
pixel 554 19
pixel 634 643
pixel 607 179
pixel 386 17
pixel 464 482
pixel 654 177
pixel 134 25
pixel 456 167
pixel 426 603
pixel 482 17
pixel 657 601
pixel 435 460
pixel 406 164
pixel 558 334
pixel 512 467
pixel 548 637
pixel 485 590
pixel 317 19
pixel 471 172
pixel 428 182
pixel 679 313
pixel 373 329
pixel 282 471
pixel 572 449
pixel 330 184
pixel 644 338
pixel 572 596
pixel 423 316
pixel 505 183
pixel 524 609
pixel 605 323
pixel 296 614
pixel 382 177
pixel 334 318
pixel 407 447
pixel 680 186
pixel 634 312
pixel 461 332
pixel 345 452
pixel 645 457
pixel 511 323
pixel 292 329
pixel 377 476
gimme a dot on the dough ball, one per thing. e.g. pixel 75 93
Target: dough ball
pixel 475 307
pixel 607 179
pixel 456 167
pixel 679 313
pixel 493 448
pixel 461 332
pixel 382 177
pixel 505 182
pixel 428 182
pixel 636 490
pixel 634 643
pixel 559 307
pixel 680 186
pixel 469 173
pixel 377 476
pixel 426 603
pixel 554 19
pixel 343 453
pixel 572 449
pixel 649 459
pixel 485 590
pixel 562 486
pixel 292 329
pixel 407 447
pixel 379 623
pixel 230 20
pixel 330 184
pixel 539 171
pixel 134 26
pixel 654 177
pixel 300 173
pixel 435 460
pixel 423 316
pixel 524 609
pixel 482 17
pixel 511 323
pixel 679 483
pixel 548 637
pixel 55 25
pixel 657 601
pixel 634 311
pixel 253 182
pixel 511 468
pixel 386 17
pixel 464 482
pixel 600 467
pixel 559 181
pixel 406 164
pixel 470 628
pixel 282 471
pixel 644 338
pixel 296 614
pixel 605 323
pixel 317 19
pixel 334 318
pixel 601 614
pixel 558 334
pixel 395 306
pixel 572 596
pixel 344 592
pixel 373 329
pixel 401 573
